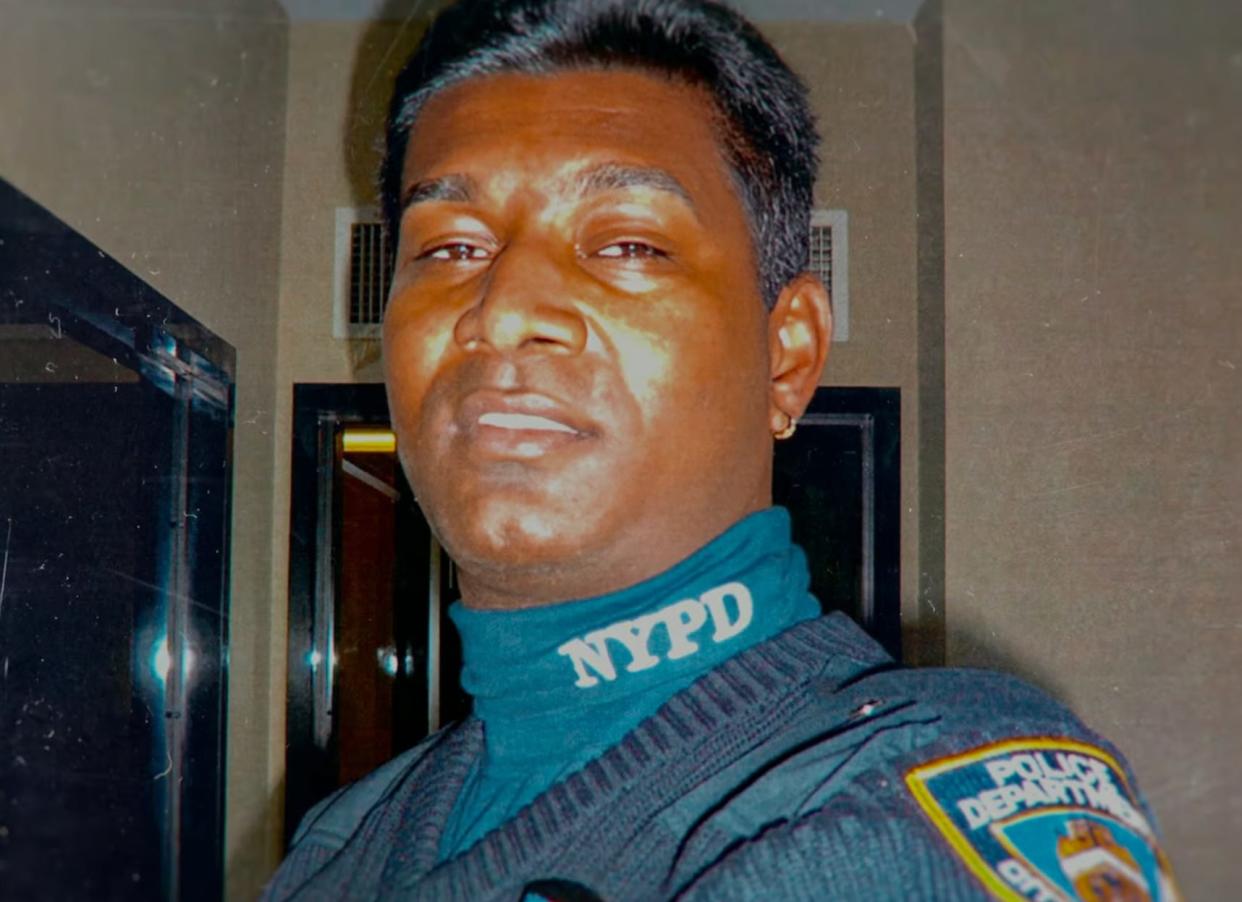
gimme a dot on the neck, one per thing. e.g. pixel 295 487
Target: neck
pixel 631 559
pixel 571 678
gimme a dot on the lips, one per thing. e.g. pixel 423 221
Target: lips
pixel 521 421
pixel 522 425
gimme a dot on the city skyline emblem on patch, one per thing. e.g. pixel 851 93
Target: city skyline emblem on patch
pixel 1044 819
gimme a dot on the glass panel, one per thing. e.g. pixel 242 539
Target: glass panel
pixel 115 453
pixel 82 709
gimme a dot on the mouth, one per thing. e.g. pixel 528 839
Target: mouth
pixel 519 426
pixel 518 422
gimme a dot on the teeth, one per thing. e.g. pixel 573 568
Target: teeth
pixel 522 421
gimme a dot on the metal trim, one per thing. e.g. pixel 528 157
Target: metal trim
pixel 323 641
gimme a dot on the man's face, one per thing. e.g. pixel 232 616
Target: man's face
pixel 575 349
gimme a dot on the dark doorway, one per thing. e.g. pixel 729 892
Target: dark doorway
pixel 369 587
pixel 840 477
pixel 369 590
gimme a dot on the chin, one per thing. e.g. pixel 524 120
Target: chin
pixel 499 536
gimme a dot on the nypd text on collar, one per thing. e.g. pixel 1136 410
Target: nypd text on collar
pixel 679 619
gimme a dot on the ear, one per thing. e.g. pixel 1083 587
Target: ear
pixel 799 334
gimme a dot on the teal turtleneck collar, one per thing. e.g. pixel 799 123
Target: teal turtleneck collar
pixel 557 685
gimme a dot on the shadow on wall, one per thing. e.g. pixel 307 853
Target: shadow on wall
pixel 974 648
pixel 385 45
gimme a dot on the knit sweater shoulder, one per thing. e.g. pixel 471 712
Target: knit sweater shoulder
pixel 779 774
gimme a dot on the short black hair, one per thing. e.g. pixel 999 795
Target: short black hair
pixel 764 121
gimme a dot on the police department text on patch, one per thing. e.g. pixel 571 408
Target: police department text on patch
pixel 1027 780
pixel 1044 819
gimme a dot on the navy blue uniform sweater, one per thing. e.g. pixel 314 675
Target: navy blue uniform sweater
pixel 806 766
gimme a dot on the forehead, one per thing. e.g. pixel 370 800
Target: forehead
pixel 549 125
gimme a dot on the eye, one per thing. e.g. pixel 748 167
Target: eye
pixel 630 250
pixel 455 252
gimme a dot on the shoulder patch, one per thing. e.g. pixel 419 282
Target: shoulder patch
pixel 1044 819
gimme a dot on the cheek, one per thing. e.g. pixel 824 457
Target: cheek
pixel 413 350
pixel 691 365
pixel 649 365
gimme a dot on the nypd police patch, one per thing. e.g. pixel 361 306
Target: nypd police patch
pixel 1050 820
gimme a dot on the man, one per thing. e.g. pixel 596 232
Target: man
pixel 599 323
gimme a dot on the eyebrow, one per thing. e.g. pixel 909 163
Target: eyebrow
pixel 456 188
pixel 452 188
pixel 614 176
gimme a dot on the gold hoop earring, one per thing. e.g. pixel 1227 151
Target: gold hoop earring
pixel 791 426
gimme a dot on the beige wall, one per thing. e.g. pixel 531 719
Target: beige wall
pixel 1094 384
pixel 156 128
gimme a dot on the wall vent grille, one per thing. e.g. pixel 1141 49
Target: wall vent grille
pixel 821 253
pixel 369 273
pixel 830 261
pixel 363 273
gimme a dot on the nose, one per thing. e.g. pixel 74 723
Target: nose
pixel 526 303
